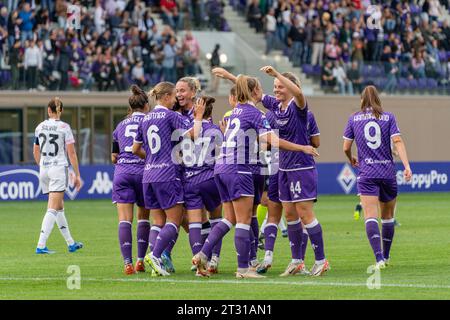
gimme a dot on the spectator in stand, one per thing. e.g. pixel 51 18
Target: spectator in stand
pixel 296 39
pixel 64 64
pixel 32 63
pixel 168 64
pixel 214 10
pixel 391 70
pixel 328 79
pixel 355 77
pixel 345 85
pixel 26 17
pixel 418 65
pixel 271 28
pixel 100 17
pixel 61 13
pixel 254 16
pixel 215 62
pixel 86 74
pixel 318 40
pixel 137 74
pixel 170 13
pixel 192 54
pixel 332 50
pixel 15 59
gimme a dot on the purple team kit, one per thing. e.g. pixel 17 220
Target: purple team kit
pixel 376 165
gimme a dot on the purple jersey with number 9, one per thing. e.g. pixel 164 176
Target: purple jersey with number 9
pixel 373 140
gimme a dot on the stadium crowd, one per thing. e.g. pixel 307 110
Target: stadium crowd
pixel 347 43
pixel 118 42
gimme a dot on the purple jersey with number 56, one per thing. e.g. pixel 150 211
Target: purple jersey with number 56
pixel 124 134
pixel 155 133
pixel 373 140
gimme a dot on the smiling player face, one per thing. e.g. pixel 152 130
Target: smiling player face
pixel 184 94
pixel 280 91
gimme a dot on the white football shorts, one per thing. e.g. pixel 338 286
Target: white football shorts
pixel 54 179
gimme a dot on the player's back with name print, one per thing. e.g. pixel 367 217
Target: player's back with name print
pixel 53 135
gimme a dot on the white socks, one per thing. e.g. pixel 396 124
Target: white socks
pixel 64 227
pixel 47 227
pixel 268 257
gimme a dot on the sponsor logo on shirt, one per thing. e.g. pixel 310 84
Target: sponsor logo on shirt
pixel 347 178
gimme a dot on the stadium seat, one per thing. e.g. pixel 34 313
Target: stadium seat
pixel 402 84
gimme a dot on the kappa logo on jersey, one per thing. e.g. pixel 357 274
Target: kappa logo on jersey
pixel 71 191
pixel 19 184
pixel 347 178
pixel 102 184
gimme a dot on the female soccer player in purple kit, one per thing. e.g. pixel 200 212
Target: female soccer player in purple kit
pixel 234 172
pixel 200 190
pixel 372 129
pixel 127 183
pixel 163 190
pixel 297 181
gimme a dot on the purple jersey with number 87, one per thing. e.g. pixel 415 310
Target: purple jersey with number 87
pixel 373 140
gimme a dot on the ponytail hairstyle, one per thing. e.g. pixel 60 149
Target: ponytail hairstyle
pixel 193 84
pixel 138 100
pixel 292 77
pixel 245 86
pixel 56 106
pixel 209 104
pixel 233 90
pixel 371 99
pixel 161 89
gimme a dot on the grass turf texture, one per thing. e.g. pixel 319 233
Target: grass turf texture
pixel 419 257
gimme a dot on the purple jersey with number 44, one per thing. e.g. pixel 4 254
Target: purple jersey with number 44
pixel 293 127
pixel 155 132
pixel 373 140
pixel 124 134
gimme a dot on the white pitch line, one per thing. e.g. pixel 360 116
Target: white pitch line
pixel 264 282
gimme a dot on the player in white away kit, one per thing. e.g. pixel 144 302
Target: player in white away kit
pixel 54 141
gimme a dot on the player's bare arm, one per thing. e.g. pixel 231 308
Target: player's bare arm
pixel 401 149
pixel 71 152
pixel 137 150
pixel 224 74
pixel 290 86
pixel 347 148
pixel 272 139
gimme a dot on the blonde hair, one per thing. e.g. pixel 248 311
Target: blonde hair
pixel 193 84
pixel 244 88
pixel 161 89
pixel 56 106
pixel 371 99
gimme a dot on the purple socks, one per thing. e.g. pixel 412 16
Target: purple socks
pixel 255 228
pixel 373 234
pixel 143 232
pixel 304 242
pixel 195 237
pixel 168 235
pixel 218 247
pixel 125 241
pixel 387 232
pixel 216 235
pixel 316 237
pixel 270 235
pixel 242 244
pixel 295 238
pixel 154 231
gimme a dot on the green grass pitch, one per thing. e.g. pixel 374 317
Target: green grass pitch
pixel 420 257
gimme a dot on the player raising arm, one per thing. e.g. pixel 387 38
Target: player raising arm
pixel 372 129
pixel 54 143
